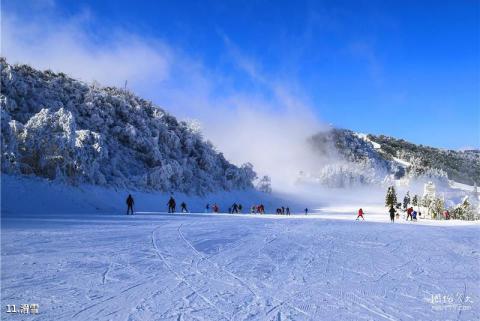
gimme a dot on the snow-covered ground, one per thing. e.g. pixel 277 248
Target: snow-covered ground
pixel 155 266
pixel 92 262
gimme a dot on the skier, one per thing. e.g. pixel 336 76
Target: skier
pixel 235 208
pixel 171 205
pixel 130 203
pixel 215 208
pixel 240 208
pixel 392 214
pixel 360 214
pixel 414 215
pixel 184 207
pixel 287 210
pixel 409 213
pixel 207 208
pixel 446 214
pixel 306 211
pixel 283 210
pixel 253 210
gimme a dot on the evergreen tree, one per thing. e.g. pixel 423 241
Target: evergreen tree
pixel 406 200
pixel 391 197
pixel 464 210
pixel 426 201
pixel 437 206
pixel 415 201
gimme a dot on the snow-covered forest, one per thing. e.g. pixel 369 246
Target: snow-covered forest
pixel 359 159
pixel 62 129
pixel 461 166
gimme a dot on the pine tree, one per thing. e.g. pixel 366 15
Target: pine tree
pixel 415 201
pixel 391 197
pixel 406 200
pixel 464 210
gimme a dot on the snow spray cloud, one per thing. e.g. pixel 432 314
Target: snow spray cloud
pixel 268 127
pixel 271 138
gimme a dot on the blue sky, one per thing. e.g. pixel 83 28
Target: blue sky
pixel 408 69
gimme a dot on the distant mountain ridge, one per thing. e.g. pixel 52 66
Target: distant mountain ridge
pixel 59 128
pixel 460 166
pixel 359 156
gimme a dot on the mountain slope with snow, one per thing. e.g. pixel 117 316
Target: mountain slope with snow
pixel 62 129
pixel 362 158
pixel 460 166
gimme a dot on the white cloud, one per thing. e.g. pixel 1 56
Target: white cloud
pixel 65 45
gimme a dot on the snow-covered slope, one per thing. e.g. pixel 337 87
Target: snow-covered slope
pixel 22 196
pixel 356 158
pixel 59 128
pixel 224 267
pixel 460 166
pixel 351 160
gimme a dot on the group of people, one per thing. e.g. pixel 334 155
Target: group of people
pixel 172 204
pixel 235 208
pixel 411 213
pixel 283 210
pixel 258 209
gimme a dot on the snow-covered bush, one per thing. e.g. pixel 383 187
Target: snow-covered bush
pixel 60 128
pixel 465 211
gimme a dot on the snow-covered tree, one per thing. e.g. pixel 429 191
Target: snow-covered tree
pixel 406 200
pixel 62 129
pixel 436 208
pixel 391 197
pixel 415 200
pixel 265 184
pixel 464 210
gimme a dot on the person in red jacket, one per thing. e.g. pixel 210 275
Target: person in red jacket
pixel 360 214
pixel 409 213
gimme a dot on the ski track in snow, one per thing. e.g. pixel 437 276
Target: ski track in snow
pixel 170 267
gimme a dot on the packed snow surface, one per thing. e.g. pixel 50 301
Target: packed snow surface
pixel 157 266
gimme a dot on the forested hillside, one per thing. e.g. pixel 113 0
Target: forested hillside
pixel 461 166
pixel 62 129
pixel 358 158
